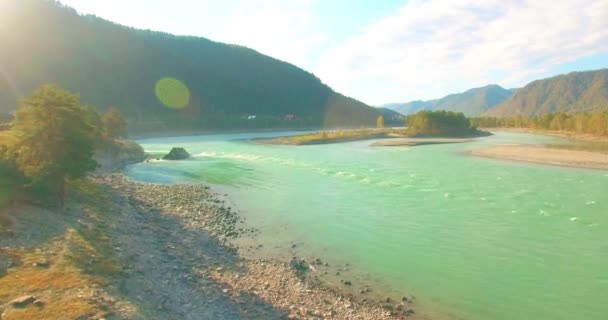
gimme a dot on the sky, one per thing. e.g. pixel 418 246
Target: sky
pixel 392 50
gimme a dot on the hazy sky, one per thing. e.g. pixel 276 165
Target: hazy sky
pixel 388 50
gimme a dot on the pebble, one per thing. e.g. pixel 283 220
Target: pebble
pixel 22 301
pixel 285 286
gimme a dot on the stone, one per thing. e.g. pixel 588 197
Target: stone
pixel 298 265
pixel 22 301
pixel 41 264
pixel 177 153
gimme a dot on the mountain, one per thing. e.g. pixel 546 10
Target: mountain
pixel 571 93
pixel 409 107
pixel 218 85
pixel 389 113
pixel 472 102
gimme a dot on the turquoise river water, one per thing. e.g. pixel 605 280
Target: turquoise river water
pixel 471 238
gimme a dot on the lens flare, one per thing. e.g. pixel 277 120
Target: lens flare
pixel 172 93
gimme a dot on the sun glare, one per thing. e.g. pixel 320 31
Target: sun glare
pixel 172 93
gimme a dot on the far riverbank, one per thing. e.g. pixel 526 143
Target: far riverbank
pixel 546 155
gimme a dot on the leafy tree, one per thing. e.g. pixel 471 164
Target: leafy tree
pixel 380 122
pixel 55 140
pixel 11 179
pixel 94 119
pixel 114 123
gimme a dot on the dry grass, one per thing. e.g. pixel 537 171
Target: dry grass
pixel 79 264
pixel 323 137
pixel 60 286
pixel 91 253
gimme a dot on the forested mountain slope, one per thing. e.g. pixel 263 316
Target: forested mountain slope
pixel 472 102
pixel 109 64
pixel 571 93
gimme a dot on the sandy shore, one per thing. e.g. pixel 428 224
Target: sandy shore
pixel 546 155
pixel 561 134
pixel 418 141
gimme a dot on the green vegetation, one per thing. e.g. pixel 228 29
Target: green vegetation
pixel 335 136
pixel 52 141
pixel 160 81
pixel 472 102
pixel 55 140
pixel 575 92
pixel 444 124
pixel 440 124
pixel 595 124
pixel 115 123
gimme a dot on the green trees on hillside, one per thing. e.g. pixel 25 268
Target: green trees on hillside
pixel 440 123
pixel 570 93
pixel 581 123
pixel 110 64
pixel 52 140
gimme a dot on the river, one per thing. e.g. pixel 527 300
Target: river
pixel 470 238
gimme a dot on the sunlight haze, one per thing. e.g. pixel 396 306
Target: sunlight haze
pixel 391 51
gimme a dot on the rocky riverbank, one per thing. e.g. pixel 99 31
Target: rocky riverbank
pixel 290 288
pixel 127 250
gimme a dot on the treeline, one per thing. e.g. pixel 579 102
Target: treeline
pixel 52 140
pixel 582 123
pixel 440 123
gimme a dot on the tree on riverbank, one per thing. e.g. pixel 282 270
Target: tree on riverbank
pixel 52 140
pixel 114 123
pixel 581 123
pixel 55 140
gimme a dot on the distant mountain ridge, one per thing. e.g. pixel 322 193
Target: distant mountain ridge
pixel 472 102
pixel 109 64
pixel 575 92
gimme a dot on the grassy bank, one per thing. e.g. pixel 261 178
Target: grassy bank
pixel 58 264
pixel 408 137
pixel 335 136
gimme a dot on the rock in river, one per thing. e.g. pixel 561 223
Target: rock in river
pixel 177 153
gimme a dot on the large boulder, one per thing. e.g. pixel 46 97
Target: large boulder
pixel 177 153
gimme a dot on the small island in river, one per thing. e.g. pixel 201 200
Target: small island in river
pixel 424 127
